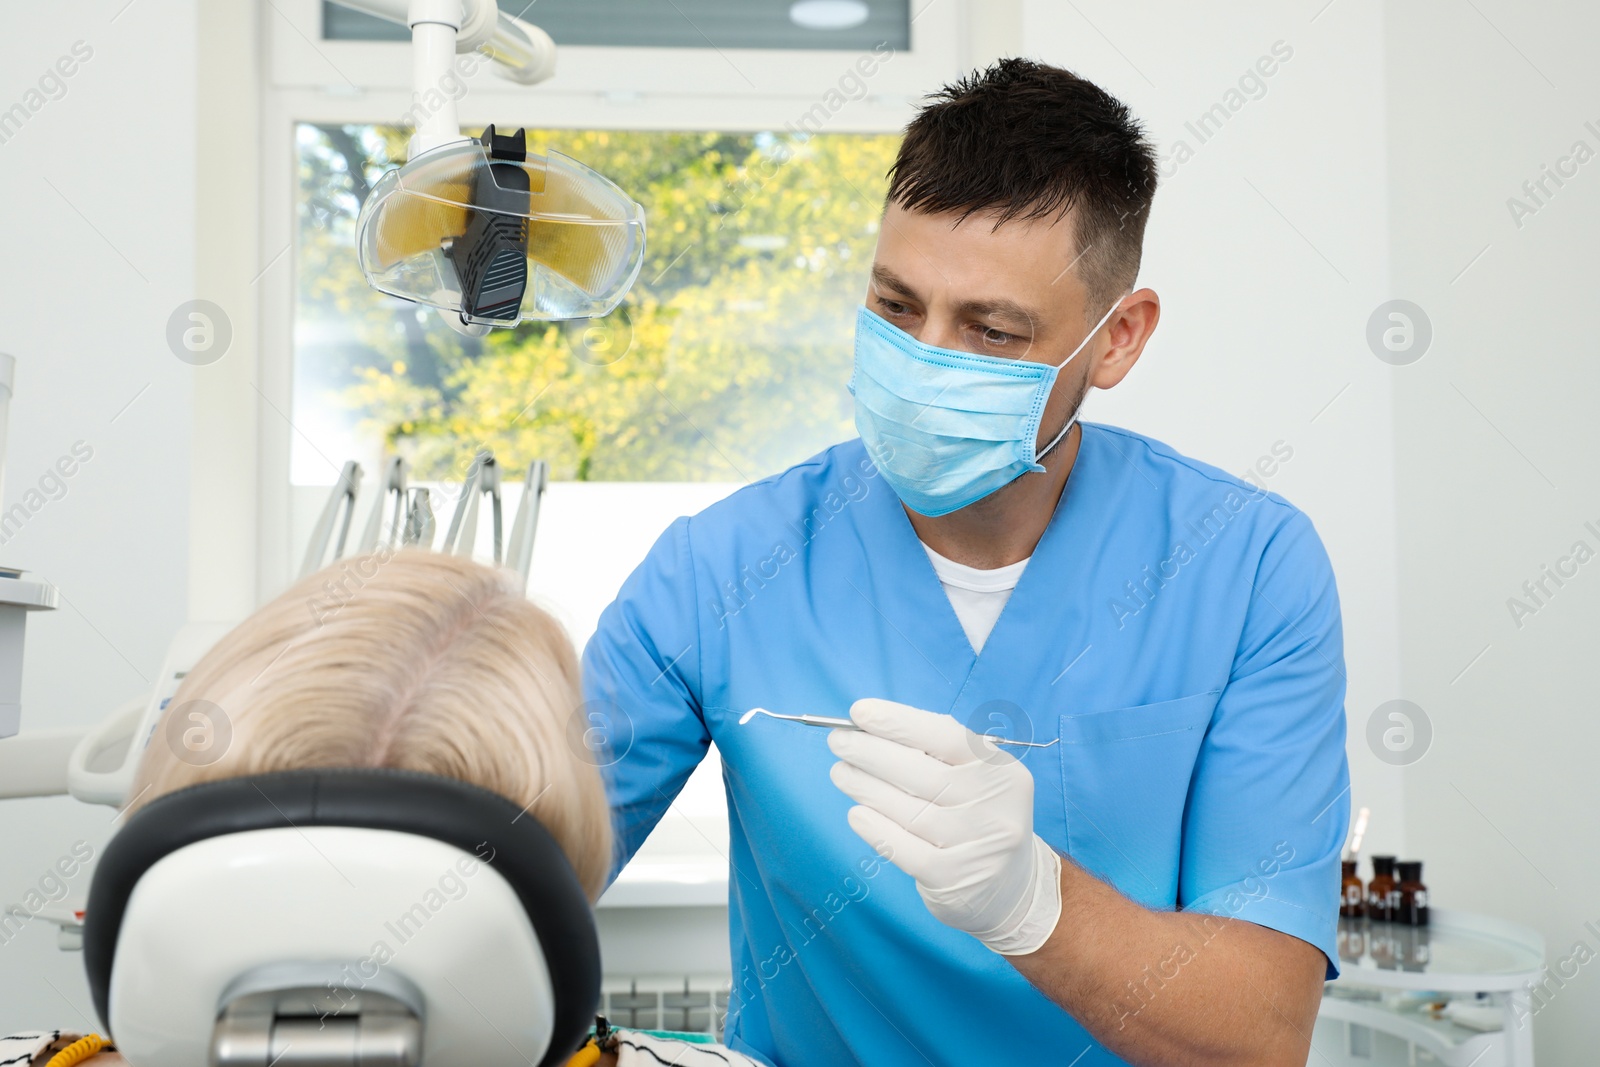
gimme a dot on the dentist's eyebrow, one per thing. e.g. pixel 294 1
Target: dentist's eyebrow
pixel 1020 316
pixel 887 279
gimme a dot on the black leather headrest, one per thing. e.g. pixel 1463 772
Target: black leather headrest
pixel 480 823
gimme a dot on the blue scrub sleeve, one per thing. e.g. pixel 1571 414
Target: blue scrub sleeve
pixel 641 687
pixel 1269 804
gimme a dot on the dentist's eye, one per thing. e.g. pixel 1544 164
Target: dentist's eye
pixel 893 307
pixel 997 338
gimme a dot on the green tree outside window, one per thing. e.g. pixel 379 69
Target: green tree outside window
pixel 728 360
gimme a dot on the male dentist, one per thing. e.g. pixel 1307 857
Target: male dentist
pixel 1153 879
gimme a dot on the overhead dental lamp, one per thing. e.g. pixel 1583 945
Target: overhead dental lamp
pixel 480 229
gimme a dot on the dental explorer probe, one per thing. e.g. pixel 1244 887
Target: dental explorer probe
pixel 832 723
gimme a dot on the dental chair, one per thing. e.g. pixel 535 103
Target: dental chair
pixel 339 916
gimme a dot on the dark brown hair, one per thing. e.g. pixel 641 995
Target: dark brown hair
pixel 1024 140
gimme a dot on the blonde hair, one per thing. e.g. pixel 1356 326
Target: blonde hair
pixel 406 659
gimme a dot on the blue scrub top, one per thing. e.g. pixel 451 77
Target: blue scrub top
pixel 1177 628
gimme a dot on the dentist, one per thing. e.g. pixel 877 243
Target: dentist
pixel 1154 881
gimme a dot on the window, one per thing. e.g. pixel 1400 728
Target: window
pixel 727 361
pixel 321 332
pixel 773 24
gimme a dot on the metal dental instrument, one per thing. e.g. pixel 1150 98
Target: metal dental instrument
pixel 483 479
pixel 519 553
pixel 391 491
pixel 832 723
pixel 806 720
pixel 420 526
pixel 341 502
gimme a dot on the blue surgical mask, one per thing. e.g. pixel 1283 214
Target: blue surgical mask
pixel 948 428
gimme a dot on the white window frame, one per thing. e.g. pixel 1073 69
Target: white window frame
pixel 311 80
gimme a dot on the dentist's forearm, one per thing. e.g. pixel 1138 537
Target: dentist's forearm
pixel 1173 988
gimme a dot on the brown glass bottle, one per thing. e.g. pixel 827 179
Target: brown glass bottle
pixel 1350 892
pixel 1380 905
pixel 1412 909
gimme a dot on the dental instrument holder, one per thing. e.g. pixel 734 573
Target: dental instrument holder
pixel 482 477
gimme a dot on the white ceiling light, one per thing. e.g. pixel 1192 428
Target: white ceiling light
pixel 828 14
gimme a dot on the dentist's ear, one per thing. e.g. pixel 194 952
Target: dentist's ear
pixel 1128 330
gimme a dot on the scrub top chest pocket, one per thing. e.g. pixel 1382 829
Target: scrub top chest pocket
pixel 1124 781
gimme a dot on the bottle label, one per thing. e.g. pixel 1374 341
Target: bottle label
pixel 1352 895
pixel 1421 898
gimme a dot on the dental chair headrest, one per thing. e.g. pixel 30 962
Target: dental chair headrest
pixel 270 918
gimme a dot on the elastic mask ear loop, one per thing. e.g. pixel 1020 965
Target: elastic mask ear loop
pixel 1059 366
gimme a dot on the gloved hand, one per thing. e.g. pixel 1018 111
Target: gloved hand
pixel 954 812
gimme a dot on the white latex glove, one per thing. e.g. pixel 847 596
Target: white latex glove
pixel 955 813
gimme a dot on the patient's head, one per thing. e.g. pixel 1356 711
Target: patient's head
pixel 413 660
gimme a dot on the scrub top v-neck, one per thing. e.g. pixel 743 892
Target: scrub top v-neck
pixel 1176 629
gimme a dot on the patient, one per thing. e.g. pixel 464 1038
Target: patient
pixel 412 660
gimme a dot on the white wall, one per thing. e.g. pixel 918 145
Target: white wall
pixel 1378 165
pixel 1268 245
pixel 1496 437
pixel 98 190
